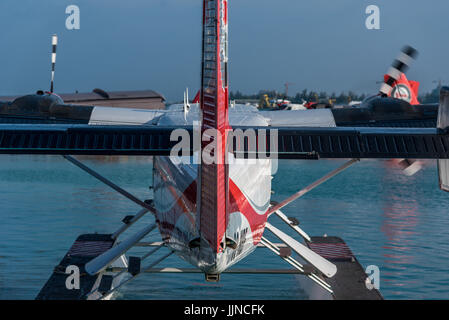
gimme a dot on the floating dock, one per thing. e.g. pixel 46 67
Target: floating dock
pixel 85 248
pixel 350 281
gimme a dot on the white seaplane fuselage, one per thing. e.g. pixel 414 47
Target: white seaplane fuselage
pixel 175 199
pixel 175 182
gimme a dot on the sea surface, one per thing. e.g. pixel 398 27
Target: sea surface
pixel 395 222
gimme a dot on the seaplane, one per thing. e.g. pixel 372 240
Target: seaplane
pixel 213 163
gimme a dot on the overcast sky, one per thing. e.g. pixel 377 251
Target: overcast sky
pixel 156 44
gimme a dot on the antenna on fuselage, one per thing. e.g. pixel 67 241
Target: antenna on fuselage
pixel 54 43
pixel 186 103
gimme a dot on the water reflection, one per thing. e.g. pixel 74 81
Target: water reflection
pixel 400 222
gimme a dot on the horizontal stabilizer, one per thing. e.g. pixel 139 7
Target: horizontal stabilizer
pixel 324 266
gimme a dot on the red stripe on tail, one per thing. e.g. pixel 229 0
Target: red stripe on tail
pixel 214 106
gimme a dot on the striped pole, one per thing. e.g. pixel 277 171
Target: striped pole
pixel 399 66
pixel 54 43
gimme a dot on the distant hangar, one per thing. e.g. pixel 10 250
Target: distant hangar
pixel 141 99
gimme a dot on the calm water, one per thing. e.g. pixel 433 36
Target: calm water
pixel 398 223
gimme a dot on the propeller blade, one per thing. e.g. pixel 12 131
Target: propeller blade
pixel 324 266
pixel 101 262
pixel 410 167
pixel 400 65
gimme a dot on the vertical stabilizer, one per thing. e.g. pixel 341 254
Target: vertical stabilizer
pixel 214 114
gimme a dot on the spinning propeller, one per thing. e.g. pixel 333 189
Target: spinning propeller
pixel 396 85
pixel 398 68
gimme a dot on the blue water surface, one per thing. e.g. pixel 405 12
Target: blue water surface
pixel 395 222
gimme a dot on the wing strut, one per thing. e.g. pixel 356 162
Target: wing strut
pixel 312 186
pixel 129 223
pixel 324 266
pixel 110 184
pixel 275 248
pixel 151 266
pixel 293 225
pixel 101 262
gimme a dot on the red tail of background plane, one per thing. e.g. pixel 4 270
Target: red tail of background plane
pixel 404 89
pixel 197 97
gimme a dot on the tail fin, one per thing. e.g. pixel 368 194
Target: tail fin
pixel 415 87
pixel 403 89
pixel 214 115
pixel 197 97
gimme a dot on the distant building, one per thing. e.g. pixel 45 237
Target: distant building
pixel 140 99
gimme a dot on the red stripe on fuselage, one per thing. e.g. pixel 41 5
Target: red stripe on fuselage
pixel 184 200
pixel 239 202
pixel 185 205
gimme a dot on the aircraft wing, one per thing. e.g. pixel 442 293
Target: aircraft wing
pixel 290 143
pixel 377 112
pixel 283 142
pixel 300 118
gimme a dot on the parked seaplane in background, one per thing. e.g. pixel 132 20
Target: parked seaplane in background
pixel 214 213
